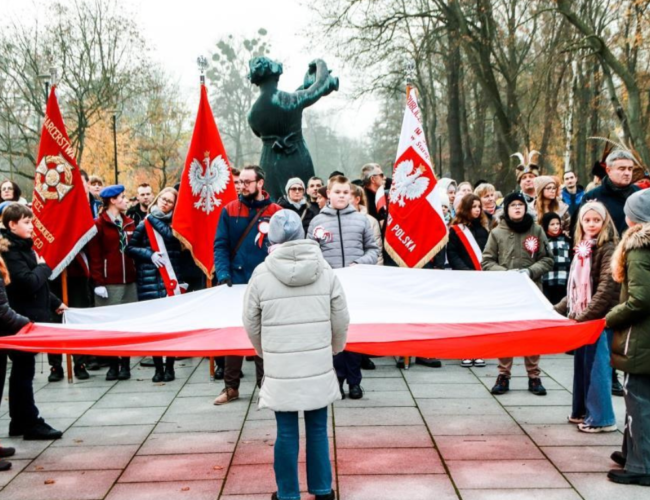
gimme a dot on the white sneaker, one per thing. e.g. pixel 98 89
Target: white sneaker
pixel 594 430
pixel 467 363
pixel 479 362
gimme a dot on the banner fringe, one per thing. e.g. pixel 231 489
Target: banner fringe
pixel 430 255
pixel 189 246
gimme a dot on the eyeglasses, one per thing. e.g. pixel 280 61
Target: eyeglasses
pixel 167 201
pixel 517 205
pixel 296 189
pixel 247 183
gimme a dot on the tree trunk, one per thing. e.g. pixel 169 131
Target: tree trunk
pixel 452 64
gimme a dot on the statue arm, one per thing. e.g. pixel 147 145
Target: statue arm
pixel 322 85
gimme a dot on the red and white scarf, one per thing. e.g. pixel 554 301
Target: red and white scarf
pixel 166 271
pixel 469 242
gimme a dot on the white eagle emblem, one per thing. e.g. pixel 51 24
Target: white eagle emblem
pixel 407 184
pixel 209 184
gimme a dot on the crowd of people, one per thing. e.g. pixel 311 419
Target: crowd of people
pixel 564 238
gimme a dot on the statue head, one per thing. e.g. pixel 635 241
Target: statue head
pixel 263 69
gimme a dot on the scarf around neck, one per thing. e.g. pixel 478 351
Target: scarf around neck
pixel 519 226
pixel 579 285
pixel 159 214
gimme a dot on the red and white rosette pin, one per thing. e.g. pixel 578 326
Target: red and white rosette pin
pixel 322 234
pixel 531 244
pixel 583 250
pixel 262 231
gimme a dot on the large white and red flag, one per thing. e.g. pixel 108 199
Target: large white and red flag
pixel 206 186
pixel 63 222
pixel 416 229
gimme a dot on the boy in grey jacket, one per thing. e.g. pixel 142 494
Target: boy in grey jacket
pixel 346 239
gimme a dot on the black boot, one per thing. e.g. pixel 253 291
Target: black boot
pixel 125 369
pixel 159 376
pixel 617 388
pixel 56 374
pixel 355 392
pixel 170 375
pixel 80 372
pixel 113 369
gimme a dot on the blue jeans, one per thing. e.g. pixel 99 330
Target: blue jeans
pixel 319 470
pixel 592 382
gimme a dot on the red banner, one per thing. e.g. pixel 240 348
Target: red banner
pixel 63 222
pixel 206 186
pixel 415 230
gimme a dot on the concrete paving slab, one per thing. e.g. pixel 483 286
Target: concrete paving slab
pixel 60 485
pixel 488 448
pixel 84 458
pixel 388 461
pixel 449 391
pixel 409 436
pixel 17 466
pixel 68 410
pixel 376 416
pixel 505 474
pixel 525 398
pixel 520 494
pixel 112 435
pixel 596 486
pixel 482 407
pixel 120 416
pixel 163 468
pixel 253 479
pixel 582 458
pixel 448 425
pixel 569 435
pixel 377 399
pixel 261 452
pixel 25 450
pixel 416 487
pixel 187 490
pixel 145 385
pixel 190 442
pixel 69 393
pixel 540 414
pixel 439 376
pixel 383 384
pixel 135 400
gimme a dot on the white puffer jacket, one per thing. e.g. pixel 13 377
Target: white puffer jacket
pixel 296 317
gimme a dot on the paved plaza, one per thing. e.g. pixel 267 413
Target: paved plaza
pixel 420 434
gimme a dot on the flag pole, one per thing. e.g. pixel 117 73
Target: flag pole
pixel 409 71
pixel 202 63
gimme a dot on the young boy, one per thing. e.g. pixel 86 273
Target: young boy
pixel 555 281
pixel 518 244
pixel 346 239
pixel 29 294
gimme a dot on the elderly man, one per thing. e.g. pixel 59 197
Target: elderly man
pixel 373 178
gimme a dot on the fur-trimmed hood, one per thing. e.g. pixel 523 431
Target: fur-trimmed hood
pixel 635 238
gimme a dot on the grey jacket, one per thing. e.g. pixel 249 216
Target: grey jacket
pixel 296 317
pixel 345 237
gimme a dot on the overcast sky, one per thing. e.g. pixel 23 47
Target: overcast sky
pixel 180 31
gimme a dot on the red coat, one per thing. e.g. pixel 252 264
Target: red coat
pixel 109 266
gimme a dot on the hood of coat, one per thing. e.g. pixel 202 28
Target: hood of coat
pixel 296 263
pixel 17 241
pixel 635 238
pixel 328 210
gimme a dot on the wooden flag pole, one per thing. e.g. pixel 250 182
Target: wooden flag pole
pixel 64 293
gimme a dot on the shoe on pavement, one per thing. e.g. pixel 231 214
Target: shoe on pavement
pixel 430 362
pixel 170 375
pixel 111 374
pixel 592 429
pixel 93 365
pixel 621 476
pixel 480 363
pixel 159 376
pixel 6 452
pixel 4 465
pixel 147 362
pixel 227 395
pixel 501 386
pixel 56 374
pixel 467 363
pixel 219 373
pixel 575 420
pixel 618 458
pixel 535 386
pixel 617 388
pixel 329 496
pixel 41 432
pixel 367 363
pixel 125 370
pixel 81 373
pixel 355 391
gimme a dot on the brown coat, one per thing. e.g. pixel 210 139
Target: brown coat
pixel 605 291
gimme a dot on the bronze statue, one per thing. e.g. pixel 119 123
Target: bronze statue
pixel 276 118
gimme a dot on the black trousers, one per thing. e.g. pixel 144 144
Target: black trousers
pixel 22 408
pixel 232 371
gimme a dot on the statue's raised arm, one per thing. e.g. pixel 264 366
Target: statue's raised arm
pixel 276 118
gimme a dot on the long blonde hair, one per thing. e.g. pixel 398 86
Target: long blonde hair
pixel 607 233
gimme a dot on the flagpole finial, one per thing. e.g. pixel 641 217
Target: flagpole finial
pixel 409 71
pixel 202 63
pixel 53 75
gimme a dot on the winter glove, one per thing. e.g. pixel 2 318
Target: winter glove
pixel 157 259
pixel 101 291
pixel 225 281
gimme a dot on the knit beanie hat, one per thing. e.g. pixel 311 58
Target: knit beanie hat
pixel 637 207
pixel 514 196
pixel 285 225
pixel 547 218
pixel 292 182
pixel 541 182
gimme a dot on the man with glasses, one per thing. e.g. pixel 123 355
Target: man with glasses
pixel 296 202
pixel 241 244
pixel 373 178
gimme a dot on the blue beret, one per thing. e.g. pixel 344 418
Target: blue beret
pixel 4 205
pixel 111 191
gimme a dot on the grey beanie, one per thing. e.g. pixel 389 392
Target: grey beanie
pixel 285 225
pixel 637 207
pixel 292 181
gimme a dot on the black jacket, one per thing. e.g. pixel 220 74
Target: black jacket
pixel 10 321
pixel 29 291
pixel 613 198
pixel 149 282
pixel 458 258
pixel 304 212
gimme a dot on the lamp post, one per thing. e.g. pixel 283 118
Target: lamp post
pixel 114 127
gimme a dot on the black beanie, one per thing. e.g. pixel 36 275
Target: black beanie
pixel 547 218
pixel 514 196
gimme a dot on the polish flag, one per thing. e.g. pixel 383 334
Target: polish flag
pixel 416 229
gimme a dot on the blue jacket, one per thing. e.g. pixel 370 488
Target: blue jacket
pixel 234 220
pixel 573 200
pixel 148 279
pixel 614 200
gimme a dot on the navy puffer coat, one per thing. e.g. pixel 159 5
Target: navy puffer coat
pixel 149 282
